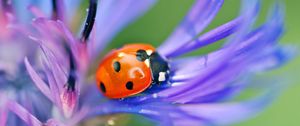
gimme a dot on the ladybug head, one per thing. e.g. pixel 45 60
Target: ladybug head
pixel 125 72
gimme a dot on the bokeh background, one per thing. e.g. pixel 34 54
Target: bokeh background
pixel 155 26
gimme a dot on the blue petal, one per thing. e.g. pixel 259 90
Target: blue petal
pixel 196 20
pixel 230 63
pixel 228 113
pixel 210 37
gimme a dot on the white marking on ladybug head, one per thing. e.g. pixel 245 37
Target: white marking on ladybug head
pixel 121 54
pixel 149 52
pixel 147 62
pixel 136 72
pixel 162 76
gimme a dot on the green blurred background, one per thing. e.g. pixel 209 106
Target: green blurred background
pixel 159 22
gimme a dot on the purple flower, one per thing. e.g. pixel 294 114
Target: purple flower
pixel 15 83
pixel 203 88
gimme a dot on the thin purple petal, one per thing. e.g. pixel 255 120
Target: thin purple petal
pixel 43 87
pixel 228 113
pixel 199 17
pixel 69 101
pixel 210 37
pixel 3 110
pixel 22 113
pixel 224 63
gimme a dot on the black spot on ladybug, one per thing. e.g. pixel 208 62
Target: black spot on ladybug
pixel 117 66
pixel 141 55
pixel 102 87
pixel 129 85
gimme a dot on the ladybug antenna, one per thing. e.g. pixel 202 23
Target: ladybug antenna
pixel 90 20
pixel 72 75
pixel 57 13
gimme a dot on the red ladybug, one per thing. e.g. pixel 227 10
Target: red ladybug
pixel 131 70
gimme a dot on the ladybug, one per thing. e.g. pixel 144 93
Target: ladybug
pixel 130 70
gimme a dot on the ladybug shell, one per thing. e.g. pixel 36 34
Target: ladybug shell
pixel 122 73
